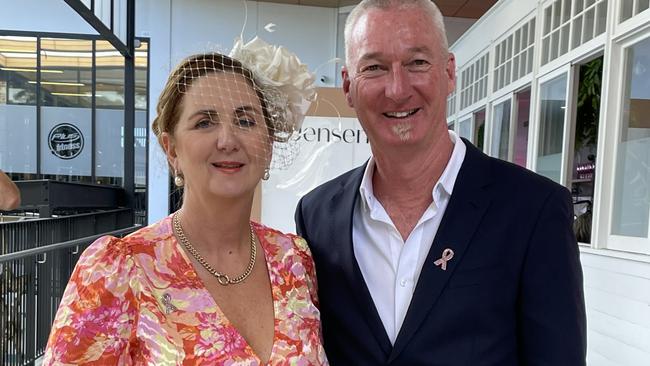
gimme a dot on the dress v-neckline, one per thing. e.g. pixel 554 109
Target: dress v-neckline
pixel 220 314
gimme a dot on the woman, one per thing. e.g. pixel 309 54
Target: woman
pixel 204 285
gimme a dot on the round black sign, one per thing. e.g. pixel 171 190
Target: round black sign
pixel 65 141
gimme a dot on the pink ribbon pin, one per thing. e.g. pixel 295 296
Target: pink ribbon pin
pixel 167 301
pixel 447 255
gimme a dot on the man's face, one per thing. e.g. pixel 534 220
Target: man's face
pixel 398 77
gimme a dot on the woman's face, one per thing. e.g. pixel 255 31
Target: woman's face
pixel 221 143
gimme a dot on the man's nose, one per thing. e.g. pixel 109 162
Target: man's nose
pixel 398 86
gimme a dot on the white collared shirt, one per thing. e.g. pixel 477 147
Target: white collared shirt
pixel 390 266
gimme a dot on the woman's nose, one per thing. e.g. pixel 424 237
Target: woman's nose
pixel 227 138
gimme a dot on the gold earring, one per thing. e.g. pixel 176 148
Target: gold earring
pixel 179 181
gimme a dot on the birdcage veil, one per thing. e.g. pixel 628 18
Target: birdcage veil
pixel 267 86
pixel 288 89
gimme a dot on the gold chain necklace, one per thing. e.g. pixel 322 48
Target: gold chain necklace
pixel 223 279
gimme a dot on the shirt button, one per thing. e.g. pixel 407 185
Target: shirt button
pixel 403 282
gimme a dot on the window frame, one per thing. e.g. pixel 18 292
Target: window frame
pixel 566 70
pixel 609 143
pixel 491 126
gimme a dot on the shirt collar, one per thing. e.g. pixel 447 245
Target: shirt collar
pixel 445 183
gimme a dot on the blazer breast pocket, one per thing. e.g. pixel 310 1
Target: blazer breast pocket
pixel 477 276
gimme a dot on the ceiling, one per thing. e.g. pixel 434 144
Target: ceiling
pixel 473 9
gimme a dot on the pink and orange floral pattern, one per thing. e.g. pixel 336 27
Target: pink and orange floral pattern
pixel 138 301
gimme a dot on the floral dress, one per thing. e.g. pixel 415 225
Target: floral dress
pixel 138 301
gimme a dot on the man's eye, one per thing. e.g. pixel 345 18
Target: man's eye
pixel 420 62
pixel 371 68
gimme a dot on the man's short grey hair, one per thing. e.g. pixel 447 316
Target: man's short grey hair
pixel 365 5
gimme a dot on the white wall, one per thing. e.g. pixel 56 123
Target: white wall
pixel 328 147
pixel 617 293
pixel 455 27
pixel 205 25
pixel 503 16
pixel 41 16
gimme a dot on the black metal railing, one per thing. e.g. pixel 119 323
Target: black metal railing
pixel 36 260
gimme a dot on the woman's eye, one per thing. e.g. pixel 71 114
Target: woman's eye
pixel 204 123
pixel 246 122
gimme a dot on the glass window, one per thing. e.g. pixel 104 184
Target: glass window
pixel 74 74
pixel 465 128
pixel 586 21
pixel 627 9
pixel 577 32
pixel 18 105
pixel 564 39
pixel 601 17
pixel 66 115
pixel 566 10
pixel 555 45
pixel 547 20
pixel 109 115
pixel 511 60
pixel 479 129
pixel 631 8
pixel 643 5
pixel 584 147
pixel 501 132
pixel 451 104
pixel 520 146
pixel 588 29
pixel 141 133
pixel 557 10
pixel 631 210
pixel 474 82
pixel 545 50
pixel 551 134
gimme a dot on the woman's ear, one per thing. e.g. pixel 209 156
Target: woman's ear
pixel 170 148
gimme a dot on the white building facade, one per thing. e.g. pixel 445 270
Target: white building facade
pixel 562 87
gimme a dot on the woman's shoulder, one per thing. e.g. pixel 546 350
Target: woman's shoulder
pixel 278 238
pixel 158 232
pixel 108 248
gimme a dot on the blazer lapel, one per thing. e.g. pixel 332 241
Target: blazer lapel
pixel 467 205
pixel 344 203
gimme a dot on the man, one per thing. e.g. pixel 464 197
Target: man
pixel 9 193
pixel 434 253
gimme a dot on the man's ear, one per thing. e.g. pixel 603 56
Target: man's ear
pixel 451 73
pixel 346 85
pixel 169 146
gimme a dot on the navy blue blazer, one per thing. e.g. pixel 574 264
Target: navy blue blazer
pixel 511 295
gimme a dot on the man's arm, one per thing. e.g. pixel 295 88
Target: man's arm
pixel 9 193
pixel 551 309
pixel 300 224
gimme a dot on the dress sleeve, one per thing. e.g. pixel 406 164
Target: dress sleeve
pixel 96 320
pixel 310 268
